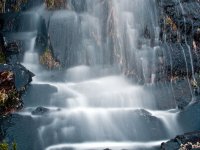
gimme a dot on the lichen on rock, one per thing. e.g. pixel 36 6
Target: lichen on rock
pixel 55 4
pixel 10 98
pixel 47 60
pixel 13 6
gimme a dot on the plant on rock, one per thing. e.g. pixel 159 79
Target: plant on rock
pixel 9 96
pixel 48 60
pixel 5 146
pixel 55 4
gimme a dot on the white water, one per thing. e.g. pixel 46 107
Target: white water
pixel 95 105
pixel 100 146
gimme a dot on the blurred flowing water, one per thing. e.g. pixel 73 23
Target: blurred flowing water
pixel 93 104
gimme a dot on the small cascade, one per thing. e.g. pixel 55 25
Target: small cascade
pixel 31 58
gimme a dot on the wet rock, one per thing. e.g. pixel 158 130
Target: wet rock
pixel 196 40
pixel 179 23
pixel 66 50
pixel 39 94
pixel 189 117
pixel 163 96
pixel 2 50
pixel 183 142
pixel 42 36
pixel 183 14
pixel 19 22
pixel 14 5
pixel 5 123
pixel 182 92
pixel 18 5
pixel 22 76
pixel 40 111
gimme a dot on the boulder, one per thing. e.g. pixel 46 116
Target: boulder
pixel 22 76
pixel 188 141
pixel 189 117
pixel 38 94
pixel 20 5
pixel 40 111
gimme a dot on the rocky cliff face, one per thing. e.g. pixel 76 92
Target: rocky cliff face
pixel 179 22
pixel 179 40
pixel 180 28
pixel 14 78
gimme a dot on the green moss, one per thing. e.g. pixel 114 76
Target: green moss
pixel 2 58
pixel 55 4
pixel 4 146
pixel 48 60
pixel 14 146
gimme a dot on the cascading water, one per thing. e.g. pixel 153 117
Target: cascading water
pixel 95 105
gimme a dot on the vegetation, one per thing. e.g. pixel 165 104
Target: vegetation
pixel 5 146
pixel 55 4
pixel 48 60
pixel 2 6
pixel 9 96
pixel 190 145
pixel 14 6
pixel 171 23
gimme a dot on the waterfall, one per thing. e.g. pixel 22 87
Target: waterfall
pixel 108 33
pixel 94 103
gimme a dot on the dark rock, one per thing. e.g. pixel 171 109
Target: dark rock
pixel 182 93
pixel 189 118
pixel 62 47
pixel 196 40
pixel 19 22
pixel 21 5
pixel 22 76
pixel 5 123
pixel 39 94
pixel 10 98
pixel 42 36
pixel 12 47
pixel 187 140
pixel 40 111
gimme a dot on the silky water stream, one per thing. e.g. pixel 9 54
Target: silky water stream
pixel 94 103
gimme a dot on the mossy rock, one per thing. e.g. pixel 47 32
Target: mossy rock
pixel 47 60
pixel 56 4
pixel 9 96
pixel 6 146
